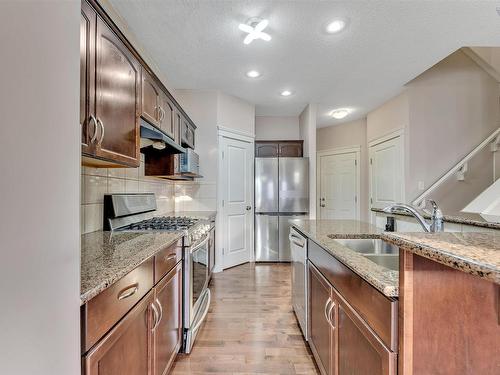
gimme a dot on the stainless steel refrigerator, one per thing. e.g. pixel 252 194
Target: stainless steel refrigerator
pixel 281 196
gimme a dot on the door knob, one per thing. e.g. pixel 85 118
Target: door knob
pixel 249 208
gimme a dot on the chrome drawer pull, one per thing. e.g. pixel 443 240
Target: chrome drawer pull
pixel 170 257
pixel 128 292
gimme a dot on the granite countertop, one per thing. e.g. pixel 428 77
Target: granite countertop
pixel 458 218
pixel 474 253
pixel 108 256
pixel 324 233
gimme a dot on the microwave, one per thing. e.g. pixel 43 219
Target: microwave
pixel 189 163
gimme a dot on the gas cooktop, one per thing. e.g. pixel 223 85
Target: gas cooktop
pixel 165 223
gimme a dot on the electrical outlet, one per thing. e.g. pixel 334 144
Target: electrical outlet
pixel 421 185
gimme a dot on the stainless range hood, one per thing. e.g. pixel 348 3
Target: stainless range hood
pixel 155 138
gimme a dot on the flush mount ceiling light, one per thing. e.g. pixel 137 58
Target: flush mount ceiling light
pixel 253 74
pixel 286 93
pixel 340 113
pixel 255 27
pixel 336 26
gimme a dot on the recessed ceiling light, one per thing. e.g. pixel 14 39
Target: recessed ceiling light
pixel 286 93
pixel 253 74
pixel 336 26
pixel 340 113
pixel 255 30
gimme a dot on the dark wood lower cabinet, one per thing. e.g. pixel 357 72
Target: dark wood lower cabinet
pixel 341 341
pixel 167 336
pixel 321 336
pixel 360 351
pixel 126 349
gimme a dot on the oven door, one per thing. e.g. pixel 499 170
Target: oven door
pixel 196 294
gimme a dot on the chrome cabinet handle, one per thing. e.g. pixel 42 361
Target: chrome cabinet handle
pixel 327 304
pixel 102 130
pixel 94 137
pixel 128 292
pixel 170 257
pixel 161 310
pixel 330 320
pixel 163 114
pixel 296 240
pixel 156 316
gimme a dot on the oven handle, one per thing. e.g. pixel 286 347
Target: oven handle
pixel 202 243
pixel 208 296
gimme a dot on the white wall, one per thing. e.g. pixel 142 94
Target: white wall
pixel 307 132
pixel 277 128
pixel 391 116
pixel 349 134
pixel 39 188
pixel 234 113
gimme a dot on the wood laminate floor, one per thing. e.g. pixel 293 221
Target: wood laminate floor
pixel 250 327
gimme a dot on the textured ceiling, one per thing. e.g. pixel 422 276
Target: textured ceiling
pixel 197 45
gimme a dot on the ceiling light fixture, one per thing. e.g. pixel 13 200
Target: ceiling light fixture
pixel 336 26
pixel 255 27
pixel 253 74
pixel 340 113
pixel 286 93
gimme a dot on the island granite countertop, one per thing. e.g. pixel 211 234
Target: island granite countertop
pixel 324 233
pixel 108 256
pixel 474 253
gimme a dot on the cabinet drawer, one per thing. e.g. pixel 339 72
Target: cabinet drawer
pixel 166 259
pixel 379 311
pixel 107 308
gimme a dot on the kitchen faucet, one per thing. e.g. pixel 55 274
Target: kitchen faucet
pixel 436 225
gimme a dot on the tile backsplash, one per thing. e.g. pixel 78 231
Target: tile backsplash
pixel 96 182
pixel 170 196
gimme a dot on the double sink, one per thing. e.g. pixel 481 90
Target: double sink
pixel 374 249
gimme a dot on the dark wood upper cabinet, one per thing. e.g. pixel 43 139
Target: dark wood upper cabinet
pixel 125 350
pixel 167 336
pixel 273 149
pixel 150 99
pixel 88 123
pixel 291 149
pixel 110 78
pixel 167 118
pixel 118 77
pixel 320 331
pixel 266 150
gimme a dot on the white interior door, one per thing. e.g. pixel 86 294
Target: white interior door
pixel 237 200
pixel 338 186
pixel 386 173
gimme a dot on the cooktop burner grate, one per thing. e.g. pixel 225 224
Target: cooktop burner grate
pixel 171 223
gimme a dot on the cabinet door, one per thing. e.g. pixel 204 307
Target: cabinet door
pixel 290 149
pixel 177 126
pixel 168 333
pixel 266 150
pixel 117 98
pixel 360 351
pixel 168 115
pixel 150 99
pixel 321 337
pixel 87 73
pixel 125 350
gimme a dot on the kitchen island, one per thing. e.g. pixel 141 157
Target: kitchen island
pixel 446 293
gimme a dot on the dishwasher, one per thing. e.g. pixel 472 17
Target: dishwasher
pixel 298 247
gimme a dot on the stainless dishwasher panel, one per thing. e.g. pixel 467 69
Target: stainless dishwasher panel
pixel 300 282
pixel 285 224
pixel 266 185
pixel 293 185
pixel 266 238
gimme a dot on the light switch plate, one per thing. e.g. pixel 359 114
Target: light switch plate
pixel 421 185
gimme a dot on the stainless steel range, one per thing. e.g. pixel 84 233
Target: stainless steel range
pixel 137 212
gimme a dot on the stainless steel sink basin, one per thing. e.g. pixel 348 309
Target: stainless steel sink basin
pixel 368 245
pixel 390 261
